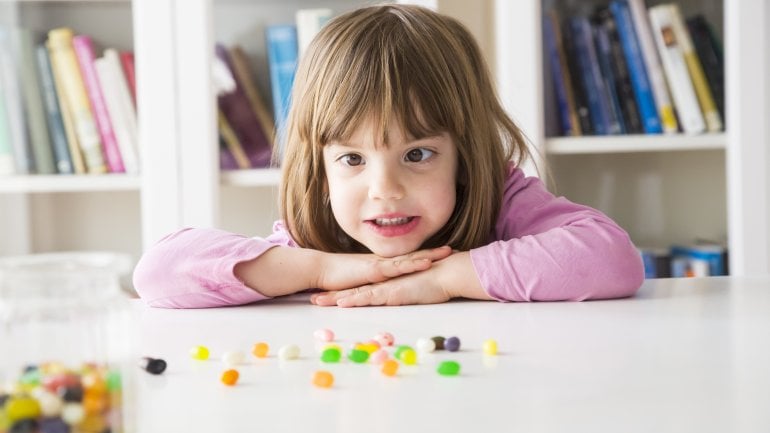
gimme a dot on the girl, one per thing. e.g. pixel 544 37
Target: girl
pixel 400 186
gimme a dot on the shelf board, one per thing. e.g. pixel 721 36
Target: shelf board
pixel 252 177
pixel 633 143
pixel 68 183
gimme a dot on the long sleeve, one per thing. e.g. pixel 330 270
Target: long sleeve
pixel 546 248
pixel 193 268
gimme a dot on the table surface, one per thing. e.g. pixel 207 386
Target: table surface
pixel 683 355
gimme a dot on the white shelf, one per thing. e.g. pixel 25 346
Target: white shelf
pixel 254 177
pixel 634 143
pixel 65 183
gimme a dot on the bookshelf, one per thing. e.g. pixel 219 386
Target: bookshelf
pixel 663 189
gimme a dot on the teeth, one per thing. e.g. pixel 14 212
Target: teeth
pixel 391 221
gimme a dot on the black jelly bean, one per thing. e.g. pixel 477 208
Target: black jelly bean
pixel 27 425
pixel 153 365
pixel 439 342
pixel 71 393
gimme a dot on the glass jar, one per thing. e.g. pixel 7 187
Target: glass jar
pixel 66 344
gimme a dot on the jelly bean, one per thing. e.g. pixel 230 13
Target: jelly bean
pixel 390 367
pixel 324 335
pixel 260 350
pixel 150 365
pixel 490 347
pixel 230 377
pixel 53 425
pixel 426 345
pixel 200 353
pixel 358 356
pixel 233 358
pixel 72 413
pixel 114 382
pixel 448 368
pixel 94 402
pixel 409 357
pixel 323 379
pixel 73 394
pixel 288 352
pixel 374 343
pixel 21 407
pixel 366 347
pixel 50 404
pixel 331 354
pixel 384 338
pixel 379 356
pixel 439 342
pixel 400 350
pixel 24 426
pixel 92 423
pixel 452 344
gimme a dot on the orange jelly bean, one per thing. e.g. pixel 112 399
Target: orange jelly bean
pixel 260 350
pixel 323 379
pixel 390 367
pixel 230 377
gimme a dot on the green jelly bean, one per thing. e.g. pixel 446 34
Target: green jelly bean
pixel 400 351
pixel 448 368
pixel 358 356
pixel 113 381
pixel 331 355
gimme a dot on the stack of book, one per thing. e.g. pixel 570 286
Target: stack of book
pixel 63 108
pixel 702 259
pixel 629 69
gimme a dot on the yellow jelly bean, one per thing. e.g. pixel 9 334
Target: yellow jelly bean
pixel 490 347
pixel 200 353
pixel 17 408
pixel 260 350
pixel 409 357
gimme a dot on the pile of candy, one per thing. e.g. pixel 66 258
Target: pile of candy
pixel 50 398
pixel 375 351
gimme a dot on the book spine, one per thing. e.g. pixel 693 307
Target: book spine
pixel 652 64
pixel 679 82
pixel 37 127
pixel 642 92
pixel 565 73
pixel 119 107
pixel 282 58
pixel 565 120
pixel 129 70
pixel 581 103
pixel 7 166
pixel 65 64
pixel 309 23
pixel 232 142
pixel 604 55
pixel 242 73
pixel 702 91
pixel 84 49
pixel 51 102
pixel 591 75
pixel 76 155
pixel 11 95
pixel 711 58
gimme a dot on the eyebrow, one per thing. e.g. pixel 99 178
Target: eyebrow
pixel 406 143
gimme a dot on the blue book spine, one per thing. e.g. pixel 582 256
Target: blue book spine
pixel 604 54
pixel 282 56
pixel 639 79
pixel 61 150
pixel 598 102
pixel 556 72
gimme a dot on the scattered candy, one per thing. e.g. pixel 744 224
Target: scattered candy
pixel 73 413
pixel 230 377
pixel 324 335
pixel 426 345
pixel 150 365
pixel 288 352
pixel 331 354
pixel 490 347
pixel 400 350
pixel 439 341
pixel 323 379
pixel 448 368
pixel 452 344
pixel 233 358
pixel 200 353
pixel 21 407
pixel 409 357
pixel 367 347
pixel 390 367
pixel 260 350
pixel 358 356
pixel 384 338
pixel 379 356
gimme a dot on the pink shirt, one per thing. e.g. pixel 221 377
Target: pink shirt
pixel 543 248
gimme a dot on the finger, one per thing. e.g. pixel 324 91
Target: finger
pixel 390 268
pixel 365 296
pixel 329 299
pixel 431 254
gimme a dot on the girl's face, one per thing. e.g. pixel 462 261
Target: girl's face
pixel 391 198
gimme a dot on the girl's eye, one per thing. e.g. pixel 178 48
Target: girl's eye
pixel 352 160
pixel 419 154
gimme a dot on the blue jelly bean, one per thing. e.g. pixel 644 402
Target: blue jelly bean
pixel 452 344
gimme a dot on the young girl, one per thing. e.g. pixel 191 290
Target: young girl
pixel 400 186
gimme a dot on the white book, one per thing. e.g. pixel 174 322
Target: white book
pixel 16 131
pixel 654 69
pixel 7 166
pixel 674 66
pixel 119 106
pixel 309 23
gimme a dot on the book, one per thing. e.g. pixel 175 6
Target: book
pixel 566 77
pixel 282 57
pixel 674 66
pixel 6 148
pixel 230 139
pixel 243 76
pixel 657 262
pixel 581 102
pixel 309 23
pixel 84 49
pixel 604 55
pixel 129 71
pixel 640 82
pixel 652 64
pixel 76 155
pixel 61 152
pixel 709 51
pixel 35 115
pixel 12 101
pixel 73 90
pixel 226 159
pixel 698 77
pixel 565 101
pixel 237 110
pixel 698 260
pixel 120 107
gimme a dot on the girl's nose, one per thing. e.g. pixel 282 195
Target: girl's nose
pixel 385 184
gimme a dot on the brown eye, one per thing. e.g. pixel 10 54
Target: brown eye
pixel 418 155
pixel 352 160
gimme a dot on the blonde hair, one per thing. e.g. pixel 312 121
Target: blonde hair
pixel 425 70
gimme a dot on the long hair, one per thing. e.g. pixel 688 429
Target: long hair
pixel 406 64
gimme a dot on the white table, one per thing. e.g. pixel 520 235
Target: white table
pixel 683 355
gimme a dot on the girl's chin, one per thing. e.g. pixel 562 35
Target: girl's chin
pixel 390 251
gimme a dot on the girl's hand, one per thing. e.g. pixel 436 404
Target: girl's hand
pixel 345 271
pixel 446 279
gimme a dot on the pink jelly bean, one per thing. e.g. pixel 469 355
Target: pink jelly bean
pixel 384 338
pixel 379 356
pixel 324 335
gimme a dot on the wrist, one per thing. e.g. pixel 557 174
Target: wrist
pixel 460 279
